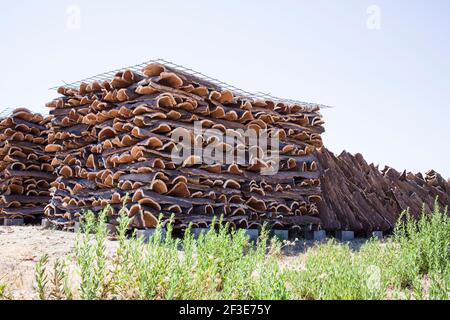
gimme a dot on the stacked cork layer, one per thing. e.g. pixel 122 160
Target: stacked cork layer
pixel 360 197
pixel 113 144
pixel 25 168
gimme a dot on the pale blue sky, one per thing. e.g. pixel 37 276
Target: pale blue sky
pixel 390 87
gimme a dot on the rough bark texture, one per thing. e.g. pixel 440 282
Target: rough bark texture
pixel 360 197
pixel 115 138
pixel 25 168
pixel 111 144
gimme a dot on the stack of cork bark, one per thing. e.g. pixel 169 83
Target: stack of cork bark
pixel 25 168
pixel 361 198
pixel 114 143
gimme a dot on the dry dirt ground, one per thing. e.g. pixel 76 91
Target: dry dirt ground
pixel 20 250
pixel 22 247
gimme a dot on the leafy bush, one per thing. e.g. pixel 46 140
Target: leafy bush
pixel 225 264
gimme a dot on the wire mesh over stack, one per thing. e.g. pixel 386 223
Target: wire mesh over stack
pixel 360 197
pixel 113 140
pixel 25 168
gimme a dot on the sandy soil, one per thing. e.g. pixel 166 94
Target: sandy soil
pixel 20 250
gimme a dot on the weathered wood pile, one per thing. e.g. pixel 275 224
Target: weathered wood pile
pixel 25 168
pixel 360 197
pixel 113 141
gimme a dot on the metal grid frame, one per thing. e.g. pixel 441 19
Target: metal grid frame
pixel 222 85
pixel 5 112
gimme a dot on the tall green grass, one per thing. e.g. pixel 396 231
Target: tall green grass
pixel 225 264
pixel 4 295
pixel 413 264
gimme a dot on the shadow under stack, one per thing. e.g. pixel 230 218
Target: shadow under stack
pixel 113 141
pixel 25 168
